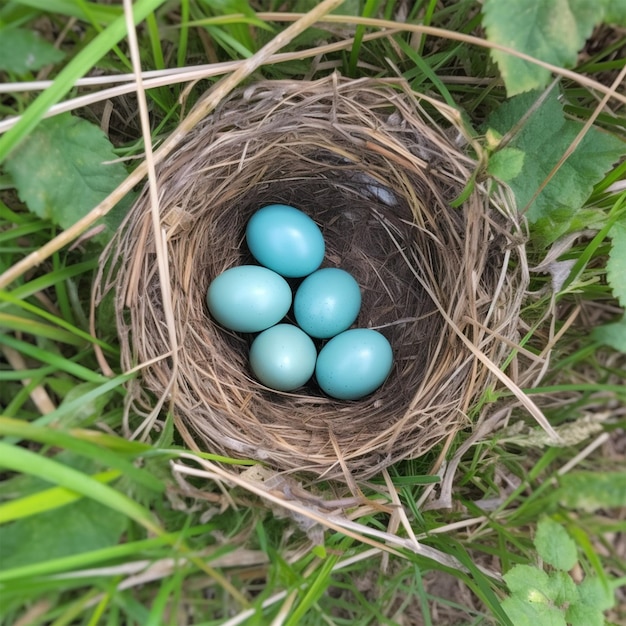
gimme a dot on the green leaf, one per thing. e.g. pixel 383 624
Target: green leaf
pixel 582 615
pixel 594 593
pixel 57 522
pixel 78 66
pixel 91 407
pixel 561 588
pixel 506 164
pixel 612 335
pixel 543 137
pixel 523 613
pixel 72 529
pixel 591 491
pixel 554 545
pixel 23 51
pixel 72 161
pixel 616 265
pixel 548 30
pixel 529 582
pixel 615 12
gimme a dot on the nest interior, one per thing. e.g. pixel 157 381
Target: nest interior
pixel 379 175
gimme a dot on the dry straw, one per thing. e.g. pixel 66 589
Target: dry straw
pixel 379 168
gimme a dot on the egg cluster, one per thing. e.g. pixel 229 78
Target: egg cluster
pixel 255 298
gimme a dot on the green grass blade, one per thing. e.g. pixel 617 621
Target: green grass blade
pixel 9 298
pixel 164 596
pixel 21 460
pixel 44 356
pixel 71 407
pixel 52 437
pixel 370 8
pixel 183 41
pixel 51 278
pixel 28 374
pixel 155 42
pixel 47 500
pixel 25 325
pixel 314 592
pixel 111 554
pixel 428 71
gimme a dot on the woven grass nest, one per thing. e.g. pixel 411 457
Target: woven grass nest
pixel 378 168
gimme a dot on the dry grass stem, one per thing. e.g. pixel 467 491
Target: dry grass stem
pixel 391 27
pixel 155 212
pixel 330 521
pixel 443 33
pixel 219 91
pixel 38 395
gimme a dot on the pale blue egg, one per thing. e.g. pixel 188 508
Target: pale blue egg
pixel 283 357
pixel 248 298
pixel 354 364
pixel 327 302
pixel 286 240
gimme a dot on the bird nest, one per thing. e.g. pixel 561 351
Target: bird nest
pixel 435 249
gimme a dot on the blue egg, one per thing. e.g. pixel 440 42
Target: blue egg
pixel 283 357
pixel 248 298
pixel 327 302
pixel 354 364
pixel 286 240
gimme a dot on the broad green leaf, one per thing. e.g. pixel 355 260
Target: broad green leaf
pixel 544 137
pixel 583 615
pixel 506 164
pixel 561 588
pixel 594 593
pixel 523 613
pixel 591 491
pixel 554 545
pixel 74 69
pixel 615 12
pixel 612 335
pixel 64 168
pixel 616 265
pixel 72 529
pixel 528 582
pixel 548 30
pixel 56 522
pixel 22 51
pixel 91 408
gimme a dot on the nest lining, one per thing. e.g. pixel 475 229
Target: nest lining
pixel 378 175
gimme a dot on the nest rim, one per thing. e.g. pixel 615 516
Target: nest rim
pixel 460 288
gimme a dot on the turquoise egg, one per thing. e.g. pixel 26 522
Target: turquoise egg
pixel 285 240
pixel 248 298
pixel 283 357
pixel 327 302
pixel 354 364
